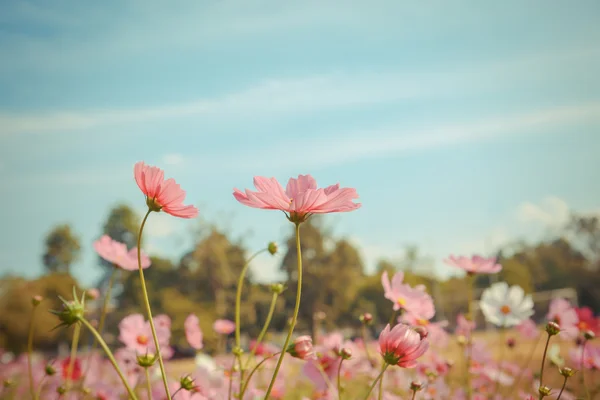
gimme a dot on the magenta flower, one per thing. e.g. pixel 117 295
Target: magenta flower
pixel 224 326
pixel 475 264
pixel 116 253
pixel 414 301
pixel 162 195
pixel 401 346
pixel 563 313
pixel 136 335
pixel 193 333
pixel 300 199
pixel 587 321
pixel 528 329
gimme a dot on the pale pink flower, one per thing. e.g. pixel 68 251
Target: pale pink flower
pixel 437 335
pixel 162 195
pixel 324 362
pixel 224 326
pixel 414 301
pixel 475 264
pixel 193 333
pixel 401 346
pixel 135 333
pixel 302 348
pixel 116 253
pixel 528 329
pixel 300 199
pixel 563 313
pixel 464 327
pixel 591 357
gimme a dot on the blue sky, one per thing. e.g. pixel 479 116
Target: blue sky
pixel 462 125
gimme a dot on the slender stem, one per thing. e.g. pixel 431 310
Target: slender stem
pixel 544 361
pixel 148 384
pixel 363 331
pixel 380 394
pixel 587 393
pixel 392 318
pixel 263 332
pixel 529 358
pixel 501 359
pixel 563 388
pixel 414 396
pixel 40 387
pixel 110 357
pixel 245 386
pixel 30 353
pixel 238 306
pixel 148 310
pixel 385 365
pixel 101 321
pixel 324 375
pixel 294 316
pixel 175 392
pixel 339 380
pixel 74 344
pixel 471 318
pixel 231 378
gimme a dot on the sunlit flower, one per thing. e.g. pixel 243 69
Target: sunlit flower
pixel 224 326
pixel 162 195
pixel 300 199
pixel 563 313
pixel 193 333
pixel 415 300
pixel 116 253
pixel 401 346
pixel 505 306
pixel 475 264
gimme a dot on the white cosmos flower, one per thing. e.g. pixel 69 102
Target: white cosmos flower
pixel 505 306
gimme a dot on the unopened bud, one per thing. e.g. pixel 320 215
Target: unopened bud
pixel 277 288
pixel 544 391
pixel 511 342
pixel 423 332
pixel 36 300
pixel 147 360
pixel 346 353
pixel 86 390
pixel 415 386
pixel 272 247
pixel 366 318
pixel 566 372
pixel 50 370
pixel 187 383
pixel 71 313
pixel 62 389
pixel 237 351
pixel 552 328
pixel 92 294
pixel 589 335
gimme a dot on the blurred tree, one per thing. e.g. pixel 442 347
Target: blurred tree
pixel 62 249
pixel 15 311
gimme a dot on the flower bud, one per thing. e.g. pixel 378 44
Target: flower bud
pixel 237 351
pixel 8 383
pixel 62 389
pixel 566 372
pixel 422 331
pixel 72 312
pixel 544 391
pixel 277 288
pixel 346 353
pixel 92 294
pixel 461 339
pixel 272 247
pixel 302 348
pixel 86 391
pixel 36 300
pixel 589 335
pixel 511 342
pixel 552 328
pixel 50 370
pixel 187 383
pixel 366 318
pixel 147 360
pixel 415 386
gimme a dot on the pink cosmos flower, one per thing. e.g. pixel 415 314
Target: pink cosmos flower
pixel 528 329
pixel 401 346
pixel 475 264
pixel 302 348
pixel 464 327
pixel 587 321
pixel 224 326
pixel 300 199
pixel 564 314
pixel 193 333
pixel 162 195
pixel 591 357
pixel 136 335
pixel 414 301
pixel 116 253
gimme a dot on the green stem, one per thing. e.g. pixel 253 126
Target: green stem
pixel 385 365
pixel 148 310
pixel 587 393
pixel 74 344
pixel 363 331
pixel 263 332
pixel 529 358
pixel 380 394
pixel 245 386
pixel 40 387
pixel 339 380
pixel 563 388
pixel 148 384
pixel 294 316
pixel 544 361
pixel 392 319
pixel 238 306
pixel 470 317
pixel 231 378
pixel 414 396
pixel 30 353
pixel 110 357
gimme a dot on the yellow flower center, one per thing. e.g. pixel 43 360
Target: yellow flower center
pixel 142 339
pixel 422 322
pixel 401 301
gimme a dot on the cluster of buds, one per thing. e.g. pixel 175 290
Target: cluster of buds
pixel 302 348
pixel 366 318
pixel 552 328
